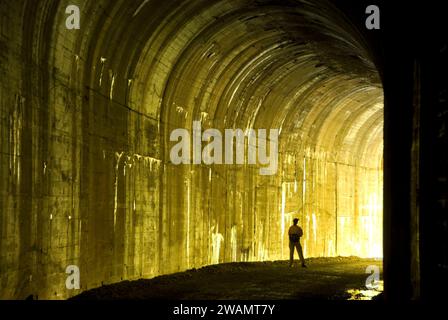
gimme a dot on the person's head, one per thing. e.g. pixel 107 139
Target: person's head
pixel 295 221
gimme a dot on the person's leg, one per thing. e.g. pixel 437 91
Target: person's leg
pixel 291 253
pixel 297 248
pixel 300 252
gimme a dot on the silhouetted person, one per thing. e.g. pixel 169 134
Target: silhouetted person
pixel 295 232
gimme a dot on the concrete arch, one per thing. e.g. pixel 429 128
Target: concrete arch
pixel 91 110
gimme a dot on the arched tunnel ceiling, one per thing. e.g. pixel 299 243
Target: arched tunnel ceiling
pixel 298 66
pixel 88 115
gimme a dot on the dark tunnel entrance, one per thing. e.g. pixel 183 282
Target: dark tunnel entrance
pixel 86 145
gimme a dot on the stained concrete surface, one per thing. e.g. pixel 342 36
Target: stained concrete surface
pixel 85 121
pixel 325 279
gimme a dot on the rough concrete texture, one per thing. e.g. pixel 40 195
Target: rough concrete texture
pixel 86 115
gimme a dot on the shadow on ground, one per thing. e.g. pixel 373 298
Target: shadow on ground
pixel 324 279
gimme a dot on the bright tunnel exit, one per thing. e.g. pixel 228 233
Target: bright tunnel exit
pixel 336 188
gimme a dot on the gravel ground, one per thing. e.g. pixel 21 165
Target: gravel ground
pixel 324 279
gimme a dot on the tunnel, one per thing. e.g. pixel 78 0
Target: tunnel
pixel 87 122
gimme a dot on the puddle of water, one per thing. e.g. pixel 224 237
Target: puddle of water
pixel 367 294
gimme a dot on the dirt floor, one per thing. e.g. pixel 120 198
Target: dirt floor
pixel 325 278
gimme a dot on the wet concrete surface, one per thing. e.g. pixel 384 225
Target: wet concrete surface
pixel 324 279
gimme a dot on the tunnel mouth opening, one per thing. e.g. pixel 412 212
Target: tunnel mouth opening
pixel 108 99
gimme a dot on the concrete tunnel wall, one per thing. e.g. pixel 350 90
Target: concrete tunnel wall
pixel 86 117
